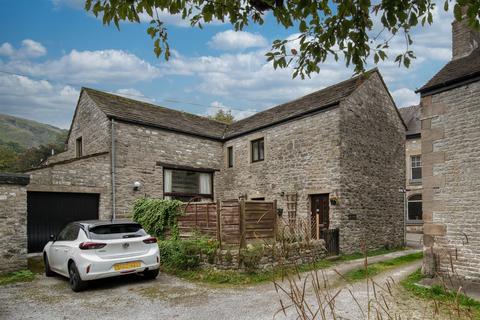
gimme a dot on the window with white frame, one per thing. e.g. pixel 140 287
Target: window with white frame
pixel 416 168
pixel 186 185
pixel 415 208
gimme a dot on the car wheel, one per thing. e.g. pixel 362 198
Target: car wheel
pixel 151 274
pixel 48 271
pixel 76 283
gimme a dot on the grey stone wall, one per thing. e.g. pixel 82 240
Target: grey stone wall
pixel 88 174
pixel 13 222
pixel 451 180
pixel 139 148
pixel 372 169
pixel 267 257
pixel 300 156
pixel 92 125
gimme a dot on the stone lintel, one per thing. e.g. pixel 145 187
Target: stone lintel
pixel 64 188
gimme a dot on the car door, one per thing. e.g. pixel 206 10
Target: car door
pixel 62 247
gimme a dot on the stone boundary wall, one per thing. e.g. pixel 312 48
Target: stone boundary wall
pixel 13 222
pixel 266 257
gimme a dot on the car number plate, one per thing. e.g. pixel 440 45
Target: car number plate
pixel 127 265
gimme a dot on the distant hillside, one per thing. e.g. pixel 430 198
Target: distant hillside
pixel 28 133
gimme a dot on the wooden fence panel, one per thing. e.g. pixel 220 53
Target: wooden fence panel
pixel 199 216
pixel 230 222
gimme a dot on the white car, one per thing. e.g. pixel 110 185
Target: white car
pixel 88 250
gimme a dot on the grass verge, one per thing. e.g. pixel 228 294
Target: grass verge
pixel 438 293
pixel 224 277
pixel 379 267
pixel 17 276
pixel 230 277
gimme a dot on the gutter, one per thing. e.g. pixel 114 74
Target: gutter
pixel 447 85
pixel 113 169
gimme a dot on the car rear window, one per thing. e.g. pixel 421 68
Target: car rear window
pixel 117 231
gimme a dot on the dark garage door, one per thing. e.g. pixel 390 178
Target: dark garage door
pixel 49 212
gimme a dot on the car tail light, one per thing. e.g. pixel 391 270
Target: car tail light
pixel 150 240
pixel 91 245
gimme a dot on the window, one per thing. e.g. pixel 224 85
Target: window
pixel 117 231
pixel 258 199
pixel 258 153
pixel 415 208
pixel 230 157
pixel 69 233
pixel 416 168
pixel 79 147
pixel 184 185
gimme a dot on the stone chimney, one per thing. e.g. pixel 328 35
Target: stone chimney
pixel 464 39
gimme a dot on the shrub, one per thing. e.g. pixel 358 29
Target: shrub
pixel 251 257
pixel 186 254
pixel 157 215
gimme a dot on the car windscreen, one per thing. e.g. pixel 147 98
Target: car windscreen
pixel 116 231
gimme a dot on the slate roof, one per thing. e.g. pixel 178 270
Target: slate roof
pixel 317 100
pixel 411 116
pixel 130 110
pixel 454 72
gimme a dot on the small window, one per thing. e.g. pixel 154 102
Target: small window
pixel 230 157
pixel 415 208
pixel 258 153
pixel 416 168
pixel 79 147
pixel 258 199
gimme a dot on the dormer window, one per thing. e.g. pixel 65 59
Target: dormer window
pixel 79 147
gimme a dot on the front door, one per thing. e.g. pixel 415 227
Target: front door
pixel 319 206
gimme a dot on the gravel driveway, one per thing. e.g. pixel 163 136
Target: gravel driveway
pixel 167 297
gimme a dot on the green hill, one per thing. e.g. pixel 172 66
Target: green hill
pixel 28 133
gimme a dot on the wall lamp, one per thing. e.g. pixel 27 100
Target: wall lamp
pixel 136 185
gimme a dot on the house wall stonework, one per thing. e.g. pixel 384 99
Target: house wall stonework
pixel 13 223
pixel 138 149
pixel 372 165
pixel 92 125
pixel 451 180
pixel 301 156
pixel 85 175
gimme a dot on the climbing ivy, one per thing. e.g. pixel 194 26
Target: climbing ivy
pixel 157 215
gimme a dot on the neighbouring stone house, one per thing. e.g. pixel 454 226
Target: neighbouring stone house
pixel 335 157
pixel 450 107
pixel 413 163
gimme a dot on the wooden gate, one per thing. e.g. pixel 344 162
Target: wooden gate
pixel 332 240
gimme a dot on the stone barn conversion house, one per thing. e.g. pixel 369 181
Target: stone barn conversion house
pixel 335 157
pixel 450 104
pixel 413 156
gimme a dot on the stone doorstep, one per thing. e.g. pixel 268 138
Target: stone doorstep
pixel 468 288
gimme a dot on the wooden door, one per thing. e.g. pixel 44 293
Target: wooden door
pixel 319 207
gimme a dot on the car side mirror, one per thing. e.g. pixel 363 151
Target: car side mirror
pixel 52 237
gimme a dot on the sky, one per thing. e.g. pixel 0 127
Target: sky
pixel 49 49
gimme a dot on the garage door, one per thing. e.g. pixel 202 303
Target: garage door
pixel 49 212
